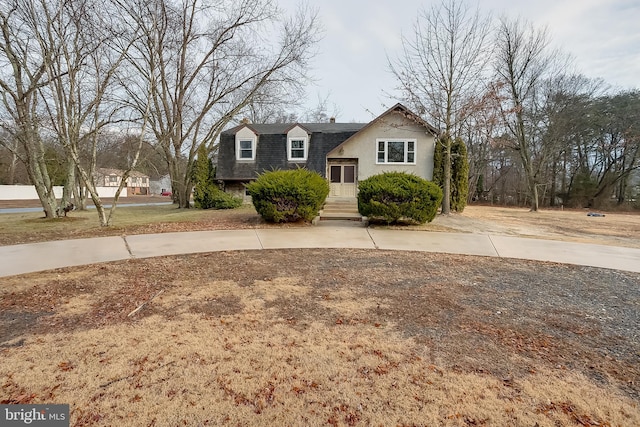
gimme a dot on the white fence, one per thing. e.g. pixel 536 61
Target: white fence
pixel 28 192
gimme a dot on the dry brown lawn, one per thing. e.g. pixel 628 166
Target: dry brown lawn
pixel 614 228
pixel 17 228
pixel 617 229
pixel 325 337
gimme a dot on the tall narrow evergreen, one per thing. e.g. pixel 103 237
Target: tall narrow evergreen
pixel 459 175
pixel 459 172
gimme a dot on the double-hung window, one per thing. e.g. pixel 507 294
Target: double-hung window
pixel 396 151
pixel 297 149
pixel 246 149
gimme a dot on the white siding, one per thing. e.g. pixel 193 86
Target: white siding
pixel 297 132
pixel 28 192
pixel 363 146
pixel 246 134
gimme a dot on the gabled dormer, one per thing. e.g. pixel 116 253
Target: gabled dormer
pixel 298 138
pixel 246 144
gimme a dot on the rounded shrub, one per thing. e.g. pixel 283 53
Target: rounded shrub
pixel 288 195
pixel 212 197
pixel 393 197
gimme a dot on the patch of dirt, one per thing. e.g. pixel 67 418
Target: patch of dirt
pixel 16 324
pixel 616 229
pixel 224 305
pixel 499 318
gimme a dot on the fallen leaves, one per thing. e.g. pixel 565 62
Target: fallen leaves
pixel 65 366
pixel 20 399
pixel 568 409
pixel 450 322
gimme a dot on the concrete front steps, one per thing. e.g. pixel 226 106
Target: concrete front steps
pixel 340 209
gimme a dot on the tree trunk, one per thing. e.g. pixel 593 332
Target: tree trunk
pixel 532 187
pixel 80 194
pixel 184 197
pixel 31 143
pixel 102 213
pixel 39 176
pixel 553 190
pixel 69 184
pixel 180 183
pixel 622 190
pixel 182 193
pixel 446 184
pixel 524 154
pixel 44 190
pixel 11 172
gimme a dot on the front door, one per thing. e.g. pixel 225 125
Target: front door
pixel 342 177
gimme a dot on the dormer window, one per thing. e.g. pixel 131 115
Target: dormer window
pixel 246 149
pixel 297 148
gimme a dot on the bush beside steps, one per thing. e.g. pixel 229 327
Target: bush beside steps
pixel 288 195
pixel 398 197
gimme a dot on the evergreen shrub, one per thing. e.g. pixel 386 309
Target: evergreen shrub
pixel 214 198
pixel 207 194
pixel 393 197
pixel 459 171
pixel 288 195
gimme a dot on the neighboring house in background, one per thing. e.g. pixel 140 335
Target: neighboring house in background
pixel 160 185
pixel 344 153
pixel 137 183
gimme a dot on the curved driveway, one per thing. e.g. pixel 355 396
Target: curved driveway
pixel 19 259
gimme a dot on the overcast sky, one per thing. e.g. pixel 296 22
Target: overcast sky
pixel 603 37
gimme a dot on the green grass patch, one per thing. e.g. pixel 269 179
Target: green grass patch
pixel 33 227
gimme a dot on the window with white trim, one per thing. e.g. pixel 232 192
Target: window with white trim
pixel 246 149
pixel 396 151
pixel 297 149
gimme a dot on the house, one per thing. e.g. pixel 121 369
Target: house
pixel 344 153
pixel 137 183
pixel 160 185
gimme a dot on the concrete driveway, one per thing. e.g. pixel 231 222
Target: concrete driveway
pixel 27 258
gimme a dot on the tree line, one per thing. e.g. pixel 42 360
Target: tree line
pixel 77 75
pixel 537 132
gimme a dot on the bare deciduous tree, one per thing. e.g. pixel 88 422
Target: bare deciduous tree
pixel 23 66
pixel 441 67
pixel 79 98
pixel 204 61
pixel 523 59
pixel 478 132
pixel 560 111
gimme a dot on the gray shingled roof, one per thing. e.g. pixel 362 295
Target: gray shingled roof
pixel 119 172
pixel 281 128
pixel 271 148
